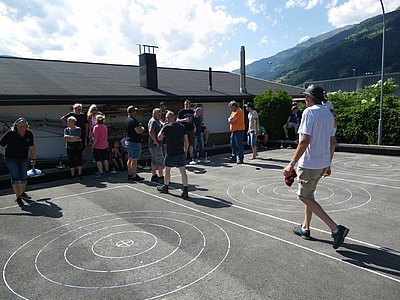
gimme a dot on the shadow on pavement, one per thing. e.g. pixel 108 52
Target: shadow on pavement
pixel 381 260
pixel 40 208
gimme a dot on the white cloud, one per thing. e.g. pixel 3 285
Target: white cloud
pixel 263 41
pixel 252 26
pixel 185 31
pixel 233 65
pixel 303 39
pixel 256 7
pixel 355 11
pixel 306 4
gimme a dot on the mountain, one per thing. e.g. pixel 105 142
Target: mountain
pixel 335 54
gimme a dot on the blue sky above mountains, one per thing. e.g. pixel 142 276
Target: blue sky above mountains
pixel 189 33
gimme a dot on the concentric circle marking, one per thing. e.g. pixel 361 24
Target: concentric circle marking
pixel 144 245
pixel 275 196
pixel 149 252
pixel 376 164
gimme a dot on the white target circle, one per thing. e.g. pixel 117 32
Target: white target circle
pixel 145 251
pixel 276 196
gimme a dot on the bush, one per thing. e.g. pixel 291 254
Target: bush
pixel 273 109
pixel 357 114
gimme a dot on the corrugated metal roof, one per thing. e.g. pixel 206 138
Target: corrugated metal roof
pixel 39 79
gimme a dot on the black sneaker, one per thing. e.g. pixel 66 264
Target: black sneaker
pixel 25 196
pixel 163 189
pixel 240 161
pixel 304 233
pixel 338 238
pixel 232 159
pixel 154 178
pixel 185 194
pixel 129 177
pixel 137 178
pixel 161 179
pixel 19 202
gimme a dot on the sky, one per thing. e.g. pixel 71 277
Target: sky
pixel 195 34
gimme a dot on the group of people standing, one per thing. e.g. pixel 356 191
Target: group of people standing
pixel 171 139
pixel 255 132
pixel 85 130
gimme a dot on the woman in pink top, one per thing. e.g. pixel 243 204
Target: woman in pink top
pixel 100 145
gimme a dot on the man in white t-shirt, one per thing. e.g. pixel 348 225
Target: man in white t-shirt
pixel 314 154
pixel 253 130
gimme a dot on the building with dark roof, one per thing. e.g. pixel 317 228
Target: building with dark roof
pixel 44 90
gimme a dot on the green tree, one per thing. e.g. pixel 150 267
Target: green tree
pixel 357 114
pixel 273 109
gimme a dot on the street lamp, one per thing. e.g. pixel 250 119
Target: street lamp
pixel 354 72
pixel 383 56
pixel 269 70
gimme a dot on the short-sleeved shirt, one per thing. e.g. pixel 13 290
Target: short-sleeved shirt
pixel 100 132
pixel 239 124
pixel 187 113
pixel 174 134
pixel 163 116
pixel 252 116
pixel 328 105
pixel 73 132
pixel 197 123
pixel 156 126
pixel 317 122
pixel 16 146
pixel 81 121
pixel 293 117
pixel 262 129
pixel 130 132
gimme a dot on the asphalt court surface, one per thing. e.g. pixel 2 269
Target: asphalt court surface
pixel 110 239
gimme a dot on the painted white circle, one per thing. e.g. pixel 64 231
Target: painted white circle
pixel 142 245
pixel 188 247
pixel 275 196
pixel 367 164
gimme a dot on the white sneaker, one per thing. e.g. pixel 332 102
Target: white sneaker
pixel 194 162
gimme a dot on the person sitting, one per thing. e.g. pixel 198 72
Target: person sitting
pixel 262 137
pixel 206 133
pixel 292 122
pixel 117 156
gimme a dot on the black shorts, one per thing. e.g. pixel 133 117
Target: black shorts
pixel 100 154
pixel 175 160
pixel 190 135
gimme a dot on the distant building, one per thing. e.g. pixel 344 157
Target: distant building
pixel 44 90
pixel 353 84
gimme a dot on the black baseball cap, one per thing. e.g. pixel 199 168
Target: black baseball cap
pixel 316 92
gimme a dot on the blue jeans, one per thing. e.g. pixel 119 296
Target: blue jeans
pixel 237 144
pixel 134 149
pixel 17 169
pixel 198 142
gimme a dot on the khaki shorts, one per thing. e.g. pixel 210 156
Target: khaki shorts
pixel 308 180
